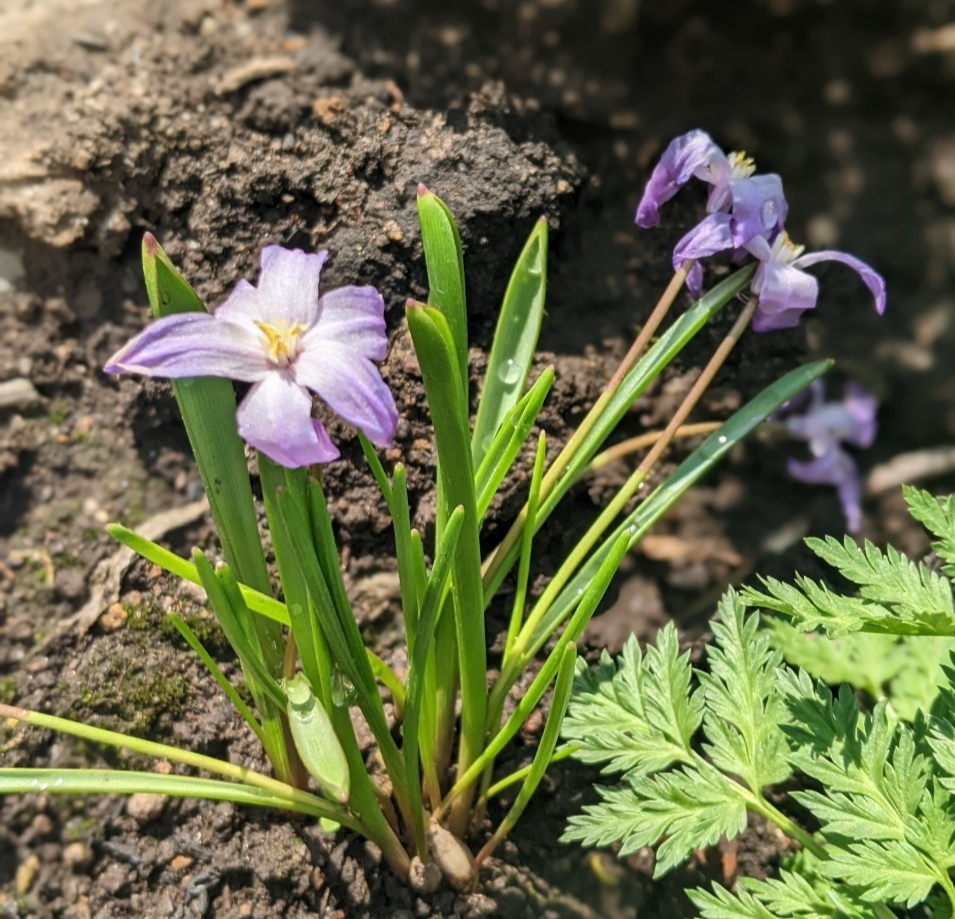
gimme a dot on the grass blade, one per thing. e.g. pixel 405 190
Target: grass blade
pixel 445 263
pixel 515 340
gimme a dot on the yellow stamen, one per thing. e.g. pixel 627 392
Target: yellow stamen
pixel 742 165
pixel 281 339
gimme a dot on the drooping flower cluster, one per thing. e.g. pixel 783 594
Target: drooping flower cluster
pixel 288 342
pixel 746 213
pixel 825 426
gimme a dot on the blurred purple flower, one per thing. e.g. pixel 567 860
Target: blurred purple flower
pixel 740 206
pixel 785 291
pixel 824 426
pixel 288 342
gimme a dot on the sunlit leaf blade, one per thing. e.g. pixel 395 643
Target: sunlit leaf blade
pixel 257 602
pixel 507 442
pixel 207 406
pixel 434 346
pixel 515 340
pixel 227 688
pixel 446 291
pixel 125 782
pixel 315 739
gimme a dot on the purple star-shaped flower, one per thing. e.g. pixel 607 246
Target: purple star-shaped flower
pixel 785 291
pixel 826 425
pixel 740 205
pixel 288 342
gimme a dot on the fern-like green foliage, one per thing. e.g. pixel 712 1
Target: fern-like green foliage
pixel 639 716
pixel 896 596
pixel 905 670
pixel 699 750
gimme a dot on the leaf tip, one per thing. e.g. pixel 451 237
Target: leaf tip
pixel 150 245
pixel 422 190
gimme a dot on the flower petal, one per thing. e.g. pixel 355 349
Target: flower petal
pixel 241 305
pixel 784 294
pixel 193 345
pixel 353 317
pixel 870 277
pixel 276 418
pixel 354 389
pixel 835 467
pixel 861 405
pixel 690 154
pixel 759 207
pixel 288 285
pixel 711 235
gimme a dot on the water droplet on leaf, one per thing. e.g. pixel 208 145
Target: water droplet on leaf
pixel 509 371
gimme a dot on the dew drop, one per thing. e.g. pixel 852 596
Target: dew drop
pixel 343 693
pixel 509 372
pixel 721 439
pixel 770 214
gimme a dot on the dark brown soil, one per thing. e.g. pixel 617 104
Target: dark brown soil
pixel 221 126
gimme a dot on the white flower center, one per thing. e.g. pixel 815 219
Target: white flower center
pixel 784 250
pixel 281 340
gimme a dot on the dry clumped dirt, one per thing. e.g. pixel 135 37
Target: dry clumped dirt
pixel 223 126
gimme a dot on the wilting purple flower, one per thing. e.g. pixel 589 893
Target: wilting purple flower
pixel 785 291
pixel 824 426
pixel 288 342
pixel 740 206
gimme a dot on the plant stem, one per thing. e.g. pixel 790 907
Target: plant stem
pixel 185 757
pixel 633 444
pixel 558 465
pixel 523 649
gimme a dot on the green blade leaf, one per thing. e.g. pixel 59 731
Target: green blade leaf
pixel 515 340
pixel 445 263
pixel 434 346
pixel 230 691
pixel 316 740
pixel 419 677
pixel 207 406
pixel 125 782
pixel 508 441
pixel 257 602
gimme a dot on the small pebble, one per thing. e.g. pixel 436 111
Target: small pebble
pixel 41 825
pixel 77 856
pixel 70 583
pixel 181 862
pixel 18 393
pixel 145 807
pixel 113 618
pixel 27 871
